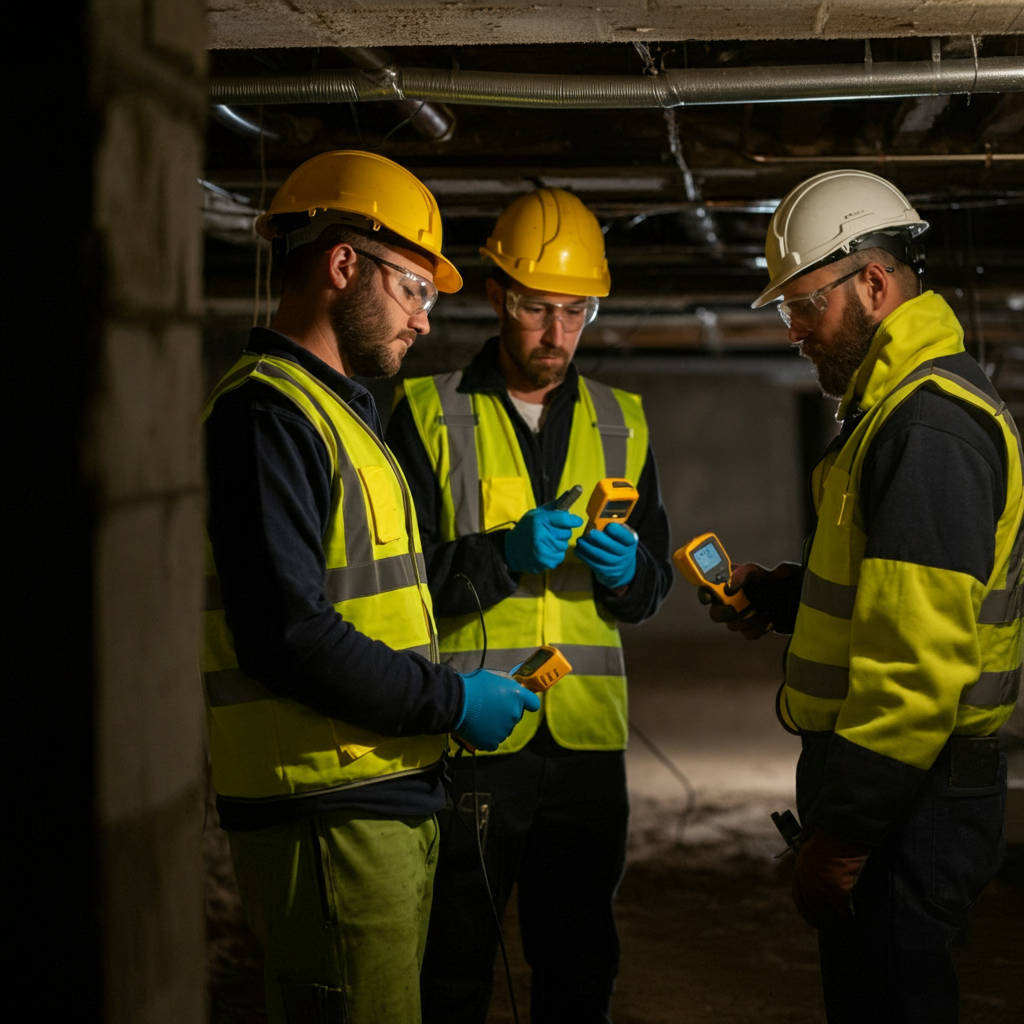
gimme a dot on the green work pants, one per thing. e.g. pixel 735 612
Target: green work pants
pixel 341 902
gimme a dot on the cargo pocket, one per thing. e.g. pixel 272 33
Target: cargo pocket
pixel 502 501
pixel 379 485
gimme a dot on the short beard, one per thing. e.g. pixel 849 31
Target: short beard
pixel 363 330
pixel 540 375
pixel 847 351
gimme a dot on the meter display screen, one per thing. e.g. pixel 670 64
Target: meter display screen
pixel 533 663
pixel 707 558
pixel 615 508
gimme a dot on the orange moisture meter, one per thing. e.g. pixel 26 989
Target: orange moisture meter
pixel 704 563
pixel 542 669
pixel 612 501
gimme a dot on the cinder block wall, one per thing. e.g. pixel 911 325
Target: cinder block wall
pixel 103 471
pixel 149 72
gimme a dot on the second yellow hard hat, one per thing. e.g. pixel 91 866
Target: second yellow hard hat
pixel 550 241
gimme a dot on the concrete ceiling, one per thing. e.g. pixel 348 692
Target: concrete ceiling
pixel 256 24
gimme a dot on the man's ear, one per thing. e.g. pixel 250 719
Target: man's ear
pixel 342 265
pixel 496 296
pixel 880 285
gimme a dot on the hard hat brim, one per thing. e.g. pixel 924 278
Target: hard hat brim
pixel 556 284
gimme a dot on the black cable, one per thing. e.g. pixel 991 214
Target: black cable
pixel 691 793
pixel 476 820
pixel 401 124
pixel 480 609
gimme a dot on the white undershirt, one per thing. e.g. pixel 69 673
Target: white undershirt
pixel 532 412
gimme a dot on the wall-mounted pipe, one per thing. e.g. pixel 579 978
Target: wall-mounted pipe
pixel 673 88
pixel 888 158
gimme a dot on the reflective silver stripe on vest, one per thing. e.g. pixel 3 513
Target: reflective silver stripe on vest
pixel 586 660
pixel 817 679
pixel 460 422
pixel 1002 606
pixel 358 544
pixel 611 425
pixel 378 577
pixel 994 688
pixel 836 599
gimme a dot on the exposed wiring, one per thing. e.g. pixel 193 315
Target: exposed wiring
pixel 401 124
pixel 691 793
pixel 480 609
pixel 477 823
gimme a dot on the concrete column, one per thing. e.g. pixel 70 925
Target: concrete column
pixel 102 388
pixel 149 68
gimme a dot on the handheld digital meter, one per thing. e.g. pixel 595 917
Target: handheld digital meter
pixel 611 502
pixel 542 669
pixel 704 563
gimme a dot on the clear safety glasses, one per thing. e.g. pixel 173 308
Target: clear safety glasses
pixel 536 315
pixel 413 293
pixel 806 310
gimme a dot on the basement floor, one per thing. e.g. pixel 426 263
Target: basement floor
pixel 707 927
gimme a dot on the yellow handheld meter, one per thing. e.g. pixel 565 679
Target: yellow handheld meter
pixel 704 563
pixel 542 669
pixel 612 501
pixel 538 673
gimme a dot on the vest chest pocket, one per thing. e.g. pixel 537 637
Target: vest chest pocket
pixel 379 487
pixel 502 501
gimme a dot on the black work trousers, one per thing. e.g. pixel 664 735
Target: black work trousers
pixel 555 821
pixel 890 962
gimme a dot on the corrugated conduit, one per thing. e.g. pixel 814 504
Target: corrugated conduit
pixel 672 88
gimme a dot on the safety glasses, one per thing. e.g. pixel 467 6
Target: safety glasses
pixel 805 311
pixel 413 293
pixel 536 315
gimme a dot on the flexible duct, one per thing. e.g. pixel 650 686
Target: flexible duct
pixel 674 88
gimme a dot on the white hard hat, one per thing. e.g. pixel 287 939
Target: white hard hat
pixel 831 215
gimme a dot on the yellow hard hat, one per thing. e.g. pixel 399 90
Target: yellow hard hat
pixel 377 190
pixel 550 241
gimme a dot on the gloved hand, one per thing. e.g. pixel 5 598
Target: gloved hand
pixel 610 553
pixel 774 596
pixel 493 706
pixel 540 539
pixel 827 869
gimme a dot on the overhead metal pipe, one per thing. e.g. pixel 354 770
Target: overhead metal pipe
pixel 673 88
pixel 430 120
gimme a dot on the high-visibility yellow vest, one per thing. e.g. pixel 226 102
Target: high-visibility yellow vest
pixel 892 655
pixel 485 485
pixel 265 747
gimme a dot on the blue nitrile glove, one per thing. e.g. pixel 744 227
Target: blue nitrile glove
pixel 540 539
pixel 494 704
pixel 610 553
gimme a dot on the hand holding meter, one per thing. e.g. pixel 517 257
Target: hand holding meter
pixel 495 701
pixel 542 669
pixel 612 501
pixel 704 563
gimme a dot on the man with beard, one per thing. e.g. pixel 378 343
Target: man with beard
pixel 906 613
pixel 327 706
pixel 487 452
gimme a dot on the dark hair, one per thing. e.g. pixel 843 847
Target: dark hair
pixel 499 275
pixel 300 264
pixel 906 278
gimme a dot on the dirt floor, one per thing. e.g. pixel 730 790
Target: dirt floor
pixel 708 930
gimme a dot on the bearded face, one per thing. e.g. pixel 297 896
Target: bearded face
pixel 837 360
pixel 364 319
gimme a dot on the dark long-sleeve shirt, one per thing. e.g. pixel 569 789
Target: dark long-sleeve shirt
pixel 481 556
pixel 269 507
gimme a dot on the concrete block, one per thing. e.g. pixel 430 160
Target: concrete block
pixel 148 207
pixel 149 564
pixel 179 26
pixel 148 431
pixel 154 936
